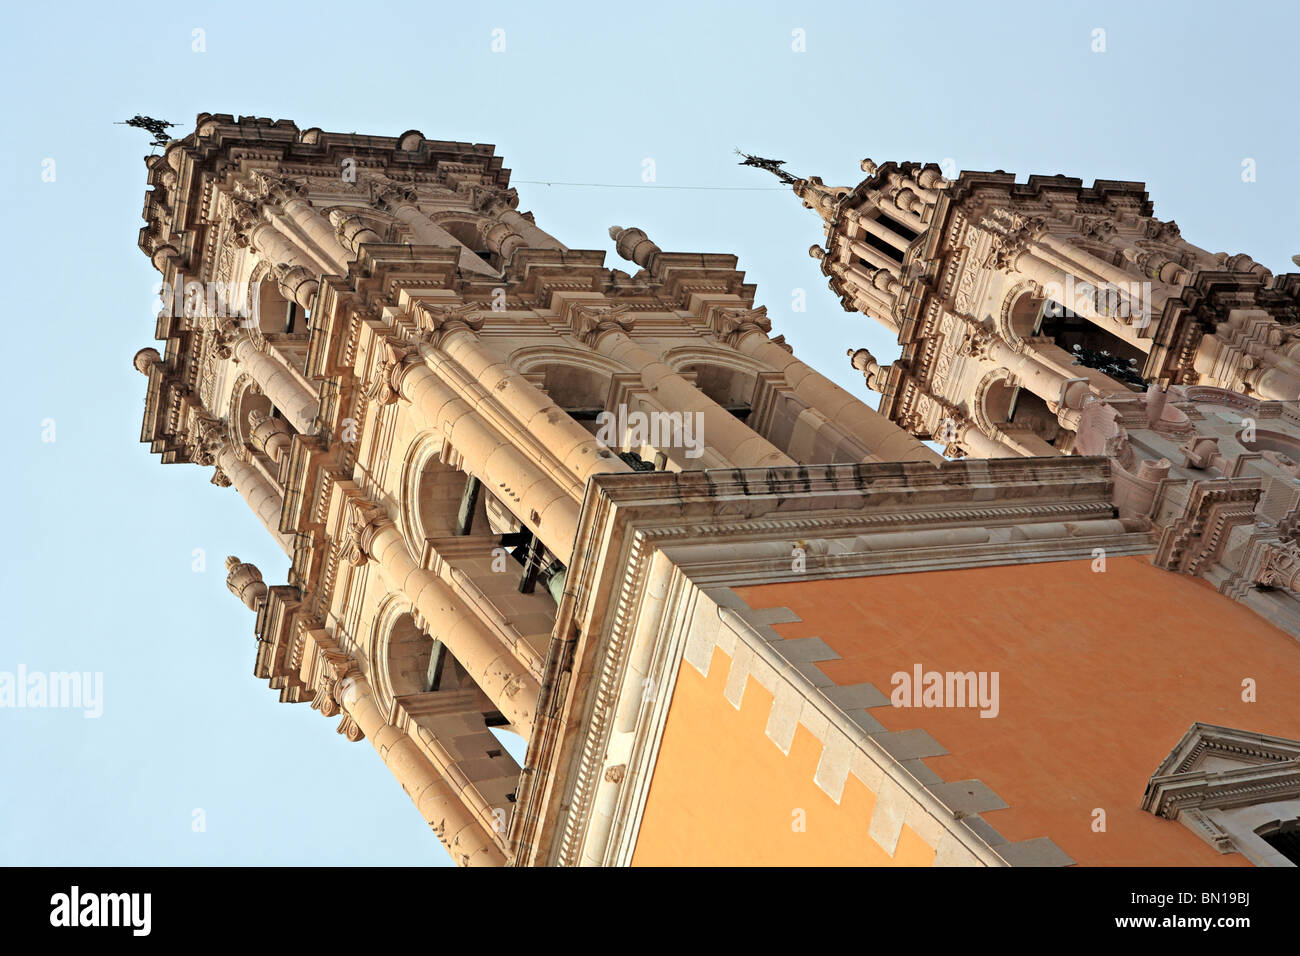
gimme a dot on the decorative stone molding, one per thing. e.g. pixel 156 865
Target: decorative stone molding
pixel 1193 541
pixel 1011 234
pixel 1279 566
pixel 1221 782
pixel 206 435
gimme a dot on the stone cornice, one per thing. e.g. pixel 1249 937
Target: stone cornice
pixel 736 514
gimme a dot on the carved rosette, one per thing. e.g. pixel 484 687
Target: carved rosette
pixel 363 521
pixel 732 325
pixel 590 322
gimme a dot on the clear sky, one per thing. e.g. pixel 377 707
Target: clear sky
pixel 100 539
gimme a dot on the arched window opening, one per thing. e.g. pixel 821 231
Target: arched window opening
pixel 582 392
pixel 1093 346
pixel 1010 405
pixel 467 234
pixel 1026 316
pixel 731 388
pixel 1284 838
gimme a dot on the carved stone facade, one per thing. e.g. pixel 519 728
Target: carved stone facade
pixel 1050 318
pixel 414 397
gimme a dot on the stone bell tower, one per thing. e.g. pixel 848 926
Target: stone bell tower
pixel 609 512
pixel 413 386
pixel 1017 303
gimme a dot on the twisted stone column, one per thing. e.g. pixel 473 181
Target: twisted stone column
pixel 438 802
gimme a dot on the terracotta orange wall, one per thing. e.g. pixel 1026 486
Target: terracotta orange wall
pixel 724 794
pixel 1100 676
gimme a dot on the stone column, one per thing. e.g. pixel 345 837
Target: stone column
pixel 503 678
pixel 456 331
pixel 263 498
pixel 301 213
pixel 398 202
pixel 520 482
pixel 534 237
pixel 279 251
pixel 298 405
pixel 602 330
pixel 1039 266
pixel 437 800
pixel 886 440
pixel 269 435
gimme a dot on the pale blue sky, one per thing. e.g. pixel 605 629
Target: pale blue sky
pixel 100 537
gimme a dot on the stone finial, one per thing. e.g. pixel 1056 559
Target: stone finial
pixel 868 167
pixel 633 245
pixel 245 582
pixel 1296 260
pixel 875 373
pixel 145 360
pixel 1200 452
pixel 817 252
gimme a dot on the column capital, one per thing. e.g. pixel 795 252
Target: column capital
pixel 437 321
pixel 591 322
pixel 1279 566
pixel 384 379
pixel 278 189
pixel 732 325
pixel 363 520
